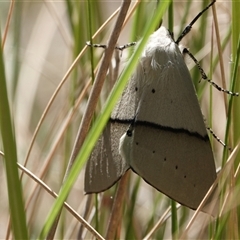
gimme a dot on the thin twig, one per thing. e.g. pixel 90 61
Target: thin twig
pixel 10 11
pixel 94 96
pixel 228 165
pixel 64 79
pixel 220 55
pixel 51 192
pixel 66 205
pixel 117 207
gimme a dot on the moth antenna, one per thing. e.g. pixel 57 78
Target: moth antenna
pixel 218 139
pixel 189 26
pixel 204 76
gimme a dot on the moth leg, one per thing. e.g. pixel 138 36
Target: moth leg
pixel 204 76
pixel 127 45
pixel 217 138
pixel 120 48
pixel 96 45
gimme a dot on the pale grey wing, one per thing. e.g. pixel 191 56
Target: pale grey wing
pixel 125 109
pixel 170 148
pixel 169 99
pixel 177 164
pixel 105 165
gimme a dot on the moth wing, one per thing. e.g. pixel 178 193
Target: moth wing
pixel 169 146
pixel 125 110
pixel 105 165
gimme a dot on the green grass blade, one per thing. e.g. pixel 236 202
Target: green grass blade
pixel 15 196
pixel 100 123
pixel 235 56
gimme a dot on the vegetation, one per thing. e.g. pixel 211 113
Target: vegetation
pixel 46 76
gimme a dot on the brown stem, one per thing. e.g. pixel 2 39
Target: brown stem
pixel 94 96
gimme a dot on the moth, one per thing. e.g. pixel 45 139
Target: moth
pixel 157 128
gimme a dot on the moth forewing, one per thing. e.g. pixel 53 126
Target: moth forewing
pixel 168 143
